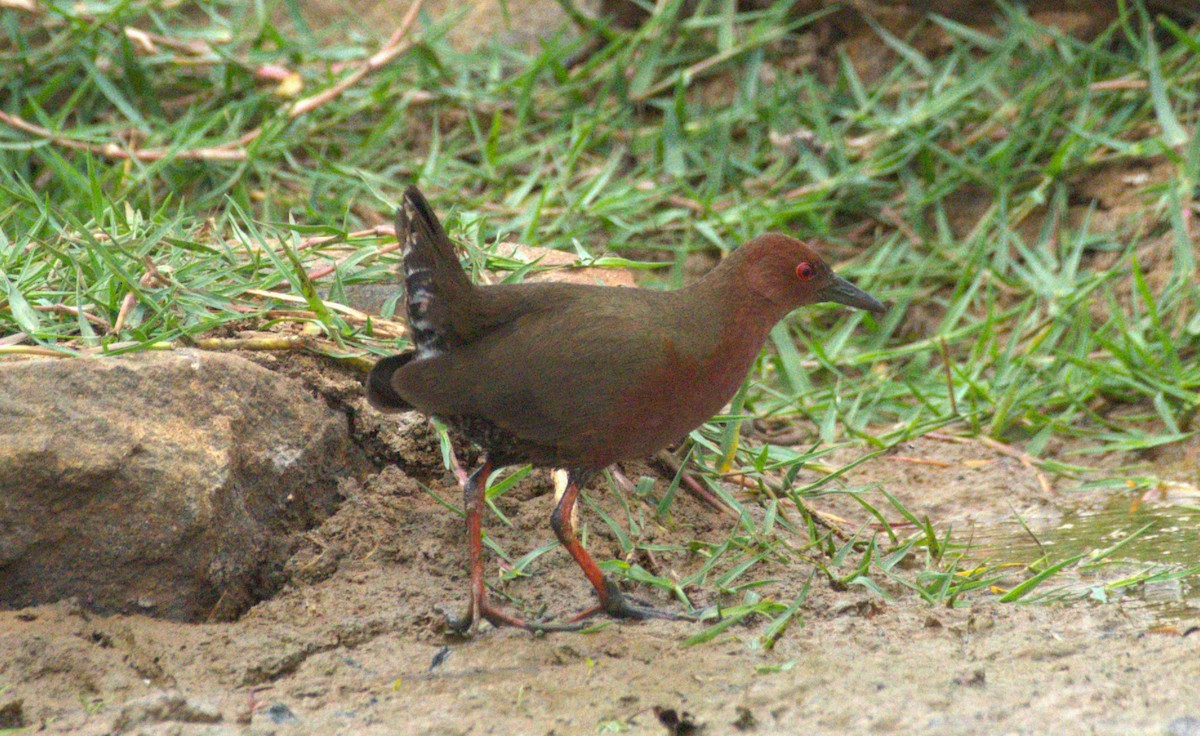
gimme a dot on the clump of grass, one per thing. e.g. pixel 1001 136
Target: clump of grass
pixel 160 179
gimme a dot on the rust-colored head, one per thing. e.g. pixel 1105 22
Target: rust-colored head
pixel 790 274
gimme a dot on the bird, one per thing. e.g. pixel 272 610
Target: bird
pixel 580 376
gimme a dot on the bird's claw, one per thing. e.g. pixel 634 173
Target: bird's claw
pixel 466 625
pixel 618 605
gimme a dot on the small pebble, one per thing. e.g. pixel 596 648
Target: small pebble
pixel 281 714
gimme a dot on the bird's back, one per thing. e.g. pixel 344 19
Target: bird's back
pixel 557 374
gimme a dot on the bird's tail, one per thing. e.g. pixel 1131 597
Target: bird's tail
pixel 438 293
pixel 380 392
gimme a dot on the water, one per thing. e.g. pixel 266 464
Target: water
pixel 1146 553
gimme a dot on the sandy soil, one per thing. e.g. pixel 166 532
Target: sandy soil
pixel 355 641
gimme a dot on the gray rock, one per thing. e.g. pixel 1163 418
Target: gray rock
pixel 280 714
pixel 160 483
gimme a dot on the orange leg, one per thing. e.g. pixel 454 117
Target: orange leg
pixel 480 607
pixel 612 601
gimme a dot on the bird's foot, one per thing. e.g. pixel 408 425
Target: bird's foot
pixel 482 610
pixel 617 605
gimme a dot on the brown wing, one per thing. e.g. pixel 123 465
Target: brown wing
pixel 581 374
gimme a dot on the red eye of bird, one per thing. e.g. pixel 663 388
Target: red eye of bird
pixel 805 271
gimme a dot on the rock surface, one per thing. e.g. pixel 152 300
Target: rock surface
pixel 159 483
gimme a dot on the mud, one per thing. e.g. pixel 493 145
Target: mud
pixel 355 642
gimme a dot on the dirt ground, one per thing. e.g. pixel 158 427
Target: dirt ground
pixel 355 643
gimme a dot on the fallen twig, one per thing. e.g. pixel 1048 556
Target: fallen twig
pixel 920 461
pixel 378 230
pixel 393 48
pixel 151 279
pixel 76 311
pixel 1027 460
pixel 354 315
pixel 234 150
pixel 691 485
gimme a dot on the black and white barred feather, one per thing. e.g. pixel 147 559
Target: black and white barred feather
pixel 434 281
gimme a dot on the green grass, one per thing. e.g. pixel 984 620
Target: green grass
pixel 954 188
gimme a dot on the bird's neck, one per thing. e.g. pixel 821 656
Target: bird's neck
pixel 737 319
pixel 739 301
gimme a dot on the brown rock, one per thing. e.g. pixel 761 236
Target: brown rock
pixel 161 483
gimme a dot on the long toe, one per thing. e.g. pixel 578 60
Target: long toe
pixel 617 605
pixel 467 624
pixel 640 612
